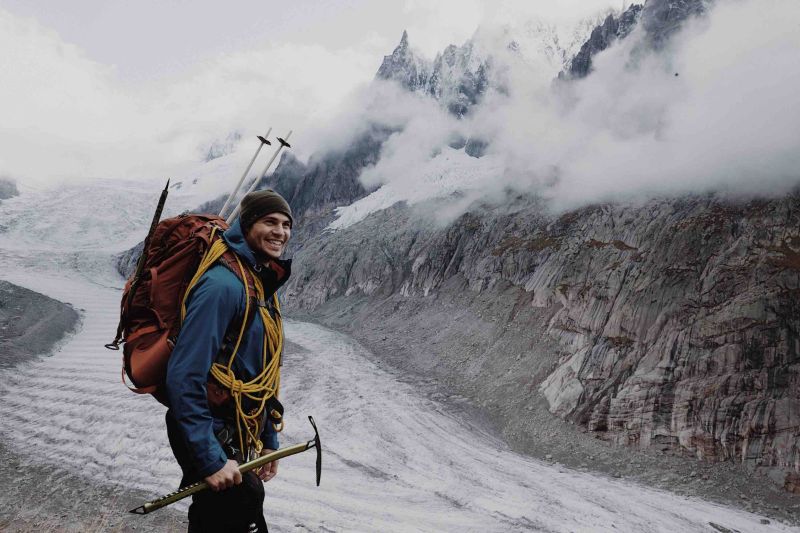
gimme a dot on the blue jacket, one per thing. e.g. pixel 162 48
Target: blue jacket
pixel 216 300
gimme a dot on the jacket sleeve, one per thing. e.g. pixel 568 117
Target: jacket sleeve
pixel 210 308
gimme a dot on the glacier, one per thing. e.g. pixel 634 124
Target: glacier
pixel 395 459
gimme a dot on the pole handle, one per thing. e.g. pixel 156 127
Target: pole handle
pixel 252 187
pixel 232 195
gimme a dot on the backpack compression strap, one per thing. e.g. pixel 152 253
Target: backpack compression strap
pixel 264 386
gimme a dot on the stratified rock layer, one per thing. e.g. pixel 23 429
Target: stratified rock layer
pixel 672 324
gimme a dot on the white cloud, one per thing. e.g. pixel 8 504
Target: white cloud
pixel 66 116
pixel 728 121
pixel 131 102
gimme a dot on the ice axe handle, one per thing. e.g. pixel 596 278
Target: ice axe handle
pixel 188 490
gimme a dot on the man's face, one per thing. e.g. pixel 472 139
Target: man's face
pixel 269 235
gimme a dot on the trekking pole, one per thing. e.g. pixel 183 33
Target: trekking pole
pixel 114 345
pixel 284 143
pixel 235 190
pixel 183 492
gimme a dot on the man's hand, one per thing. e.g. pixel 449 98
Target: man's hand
pixel 226 477
pixel 269 470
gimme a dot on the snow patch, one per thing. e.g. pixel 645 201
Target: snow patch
pixel 449 173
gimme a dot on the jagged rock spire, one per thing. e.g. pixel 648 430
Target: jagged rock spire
pixel 455 77
pixel 404 40
pixel 404 67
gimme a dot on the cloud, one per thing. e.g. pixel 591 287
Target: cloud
pixel 716 110
pixel 67 117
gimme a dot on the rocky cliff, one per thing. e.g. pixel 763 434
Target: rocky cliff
pixel 316 189
pixel 31 324
pixel 8 188
pixel 659 20
pixel 603 36
pixel 673 324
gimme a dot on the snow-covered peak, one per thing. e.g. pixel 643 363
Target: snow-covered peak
pixel 221 147
pixel 405 67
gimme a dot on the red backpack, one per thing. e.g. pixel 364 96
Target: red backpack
pixel 150 314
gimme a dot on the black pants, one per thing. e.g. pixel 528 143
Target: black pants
pixel 239 509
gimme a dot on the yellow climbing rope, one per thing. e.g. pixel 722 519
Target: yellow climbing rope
pixel 264 386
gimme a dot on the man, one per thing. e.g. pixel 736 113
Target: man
pixel 203 432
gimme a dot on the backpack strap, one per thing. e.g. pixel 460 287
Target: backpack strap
pixel 228 261
pixel 218 396
pixel 232 333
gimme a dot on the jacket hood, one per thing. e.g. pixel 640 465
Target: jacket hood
pixel 234 237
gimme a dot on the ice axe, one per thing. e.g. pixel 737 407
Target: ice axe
pixel 137 274
pixel 183 492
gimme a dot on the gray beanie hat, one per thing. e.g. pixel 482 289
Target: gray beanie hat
pixel 261 203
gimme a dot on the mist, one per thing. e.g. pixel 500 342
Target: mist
pixel 715 110
pixel 139 92
pixel 67 117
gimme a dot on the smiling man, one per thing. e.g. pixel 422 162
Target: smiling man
pixel 201 422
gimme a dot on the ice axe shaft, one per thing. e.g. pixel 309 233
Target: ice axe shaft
pixel 153 223
pixel 283 143
pixel 137 274
pixel 183 492
pixel 241 180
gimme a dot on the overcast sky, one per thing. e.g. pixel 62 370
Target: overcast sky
pixel 148 38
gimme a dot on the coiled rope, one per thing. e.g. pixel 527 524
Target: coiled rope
pixel 264 386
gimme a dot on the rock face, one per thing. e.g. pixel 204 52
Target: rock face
pixel 8 188
pixel 30 324
pixel 326 182
pixel 458 77
pixel 673 325
pixel 612 28
pixel 404 67
pixel 126 261
pixel 688 334
pixel 660 19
